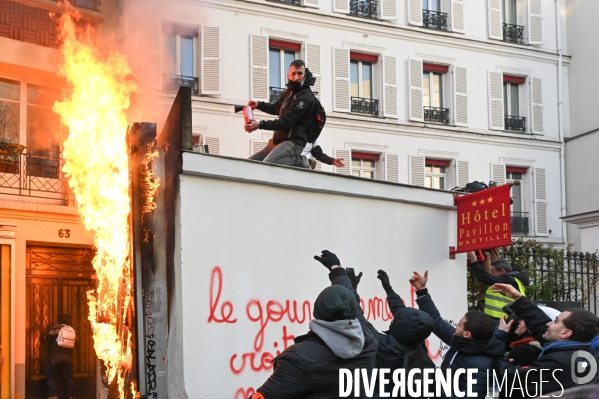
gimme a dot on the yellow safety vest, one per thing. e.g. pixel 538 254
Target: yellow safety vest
pixel 495 301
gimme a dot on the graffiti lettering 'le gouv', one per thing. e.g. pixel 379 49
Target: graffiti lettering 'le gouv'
pixel 267 312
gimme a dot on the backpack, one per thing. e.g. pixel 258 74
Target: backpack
pixel 66 337
pixel 317 120
pixel 475 186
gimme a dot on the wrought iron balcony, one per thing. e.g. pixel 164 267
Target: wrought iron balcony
pixel 365 106
pixel 520 222
pixel 517 123
pixel 434 19
pixel 292 2
pixel 275 94
pixel 513 33
pixel 438 115
pixel 363 8
pixel 173 82
pixel 33 173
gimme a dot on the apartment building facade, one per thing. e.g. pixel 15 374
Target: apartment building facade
pixel 424 92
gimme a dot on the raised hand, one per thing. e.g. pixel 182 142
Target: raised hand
pixel 382 275
pixel 355 280
pixel 503 326
pixel 507 290
pixel 328 259
pixel 418 281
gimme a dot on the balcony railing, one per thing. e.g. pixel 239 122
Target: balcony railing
pixel 274 94
pixel 90 4
pixel 363 8
pixel 513 33
pixel 365 106
pixel 174 82
pixel 434 114
pixel 292 2
pixel 520 222
pixel 517 123
pixel 34 173
pixel 434 19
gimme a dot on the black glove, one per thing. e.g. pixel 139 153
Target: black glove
pixel 382 275
pixel 328 259
pixel 355 280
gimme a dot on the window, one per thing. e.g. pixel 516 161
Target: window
pixel 364 164
pixel 512 32
pixel 432 93
pixel 180 53
pixel 519 217
pixel 514 118
pixel 435 173
pixel 43 133
pixel 280 56
pixel 361 68
pixel 432 17
pixel 10 97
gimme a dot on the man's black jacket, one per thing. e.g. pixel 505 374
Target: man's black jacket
pixel 479 355
pixel 509 278
pixel 558 360
pixel 294 110
pixel 309 369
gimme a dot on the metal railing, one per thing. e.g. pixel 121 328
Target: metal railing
pixel 292 2
pixel 174 82
pixel 274 93
pixel 434 19
pixel 365 106
pixel 517 123
pixel 513 33
pixel 438 115
pixel 34 173
pixel 363 8
pixel 520 222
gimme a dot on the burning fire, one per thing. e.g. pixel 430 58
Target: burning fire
pixel 96 164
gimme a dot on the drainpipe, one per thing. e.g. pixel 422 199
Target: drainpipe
pixel 560 111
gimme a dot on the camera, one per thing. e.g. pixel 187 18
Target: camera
pixel 511 315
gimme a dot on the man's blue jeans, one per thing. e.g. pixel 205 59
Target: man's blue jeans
pixel 52 370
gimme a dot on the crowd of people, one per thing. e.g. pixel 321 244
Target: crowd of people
pixel 534 351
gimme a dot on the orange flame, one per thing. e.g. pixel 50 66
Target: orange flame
pixel 96 165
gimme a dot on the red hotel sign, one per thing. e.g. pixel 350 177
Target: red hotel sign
pixel 484 219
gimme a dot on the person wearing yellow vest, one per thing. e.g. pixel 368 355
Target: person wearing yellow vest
pixel 501 273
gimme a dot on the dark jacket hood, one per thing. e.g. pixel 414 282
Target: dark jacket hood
pixel 411 326
pixel 335 303
pixel 492 347
pixel 522 276
pixel 309 80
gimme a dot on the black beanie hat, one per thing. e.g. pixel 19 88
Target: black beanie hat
pixel 412 326
pixel 335 303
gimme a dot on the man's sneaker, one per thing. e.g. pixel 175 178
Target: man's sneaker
pixel 313 163
pixel 304 162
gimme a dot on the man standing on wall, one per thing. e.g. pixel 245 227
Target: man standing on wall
pixel 61 341
pixel 294 108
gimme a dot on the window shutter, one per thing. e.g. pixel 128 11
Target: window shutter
pixel 388 10
pixel 259 72
pixel 495 19
pixel 341 6
pixel 416 112
pixel 496 115
pixel 460 90
pixel 390 86
pixel 257 145
pixel 457 16
pixel 341 101
pixel 535 22
pixel 213 144
pixel 318 165
pixel 498 173
pixel 416 170
pixel 540 202
pixel 345 154
pixel 415 12
pixel 311 3
pixel 537 105
pixel 312 57
pixel 392 167
pixel 462 169
pixel 211 70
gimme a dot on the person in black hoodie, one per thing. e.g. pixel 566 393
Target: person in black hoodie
pixel 294 109
pixel 472 343
pixel 564 340
pixel 339 337
pixel 402 346
pixel 501 273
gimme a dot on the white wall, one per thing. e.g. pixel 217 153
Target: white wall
pixel 261 225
